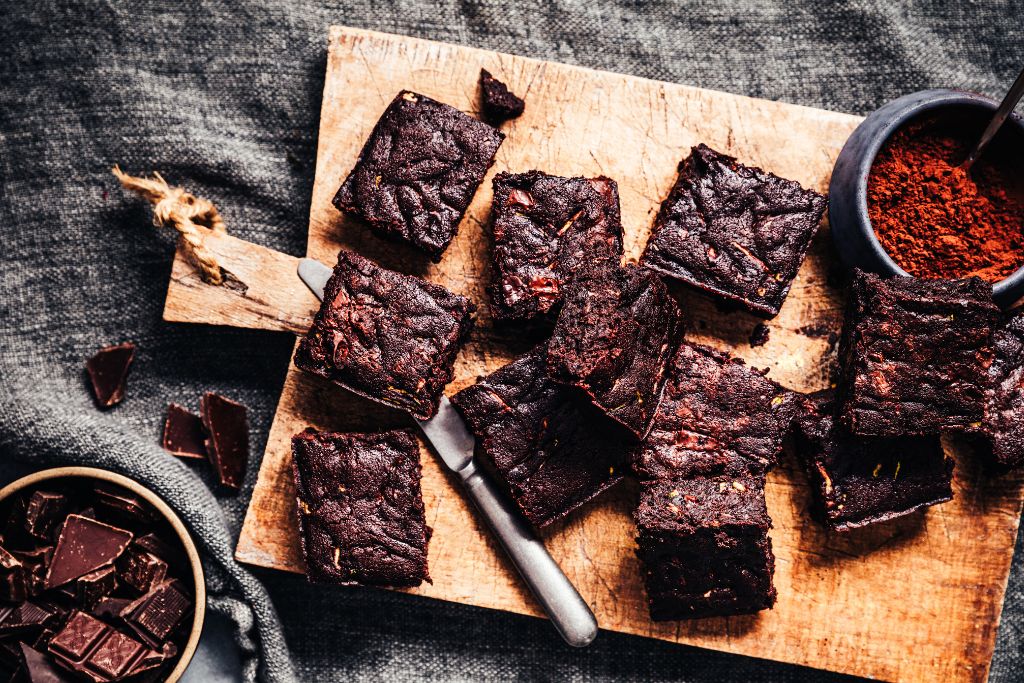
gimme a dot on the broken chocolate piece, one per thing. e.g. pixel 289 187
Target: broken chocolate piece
pixel 360 509
pixel 184 435
pixel 42 513
pixel 390 337
pixel 860 480
pixel 25 617
pixel 108 370
pixel 141 570
pixel 91 648
pixel 38 668
pixel 550 446
pixel 228 444
pixel 13 587
pixel 84 545
pixel 499 103
pixel 734 231
pixel 122 504
pixel 155 615
pixel 110 608
pixel 915 354
pixel 546 230
pixel 95 585
pixel 613 340
pixel 418 171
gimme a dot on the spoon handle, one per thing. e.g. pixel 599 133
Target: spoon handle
pixel 1005 107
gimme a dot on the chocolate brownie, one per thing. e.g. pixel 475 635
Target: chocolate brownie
pixel 704 546
pixel 360 510
pixel 546 228
pixel 915 354
pixel 418 171
pixel 617 330
pixel 387 336
pixel 550 447
pixel 1002 429
pixel 717 416
pixel 734 231
pixel 859 480
pixel 499 103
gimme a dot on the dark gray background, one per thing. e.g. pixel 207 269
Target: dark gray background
pixel 223 98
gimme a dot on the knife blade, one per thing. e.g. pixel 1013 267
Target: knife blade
pixel 452 442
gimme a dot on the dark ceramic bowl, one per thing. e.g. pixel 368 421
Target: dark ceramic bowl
pixel 847 205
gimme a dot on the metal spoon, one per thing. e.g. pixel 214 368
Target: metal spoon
pixel 1005 107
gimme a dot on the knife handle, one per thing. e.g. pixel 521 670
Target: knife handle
pixel 559 599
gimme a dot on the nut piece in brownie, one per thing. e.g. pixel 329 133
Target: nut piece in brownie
pixel 546 229
pixel 717 416
pixel 704 546
pixel 915 354
pixel 418 171
pixel 734 231
pixel 360 508
pixel 552 449
pixel 387 336
pixel 860 480
pixel 499 103
pixel 1002 430
pixel 617 330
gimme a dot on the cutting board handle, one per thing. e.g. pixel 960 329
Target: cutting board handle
pixel 262 292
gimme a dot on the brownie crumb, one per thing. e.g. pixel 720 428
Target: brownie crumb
pixel 759 335
pixel 499 103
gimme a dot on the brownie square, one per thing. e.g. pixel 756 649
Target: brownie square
pixel 387 336
pixel 704 546
pixel 734 231
pixel 915 354
pixel 360 508
pixel 551 448
pixel 717 416
pixel 614 337
pixel 418 171
pixel 546 229
pixel 859 480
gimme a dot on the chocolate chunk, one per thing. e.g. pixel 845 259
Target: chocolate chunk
pixel 613 340
pixel 95 650
pixel 390 337
pixel 551 447
pixel 227 424
pixel 734 231
pixel 108 370
pixel 110 608
pixel 915 354
pixel 141 570
pixel 184 435
pixel 155 615
pixel 84 546
pixel 36 562
pixel 95 585
pixel 360 509
pixel 122 504
pixel 25 617
pixel 42 514
pixel 12 578
pixel 38 668
pixel 418 171
pixel 152 544
pixel 499 103
pixel 546 230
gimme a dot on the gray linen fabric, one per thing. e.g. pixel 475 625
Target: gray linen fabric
pixel 223 98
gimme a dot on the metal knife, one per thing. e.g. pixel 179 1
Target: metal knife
pixel 453 443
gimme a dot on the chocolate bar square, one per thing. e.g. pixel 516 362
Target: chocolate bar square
pixel 734 231
pixel 389 337
pixel 550 447
pixel 546 229
pixel 418 171
pixel 915 354
pixel 360 509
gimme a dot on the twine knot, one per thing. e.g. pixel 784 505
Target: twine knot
pixel 183 211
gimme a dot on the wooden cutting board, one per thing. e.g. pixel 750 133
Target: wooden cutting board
pixel 911 600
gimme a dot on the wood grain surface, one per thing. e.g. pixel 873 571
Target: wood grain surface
pixel 916 599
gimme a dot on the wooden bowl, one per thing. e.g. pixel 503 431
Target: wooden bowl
pixel 199 587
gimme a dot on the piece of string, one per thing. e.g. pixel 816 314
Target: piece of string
pixel 183 211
